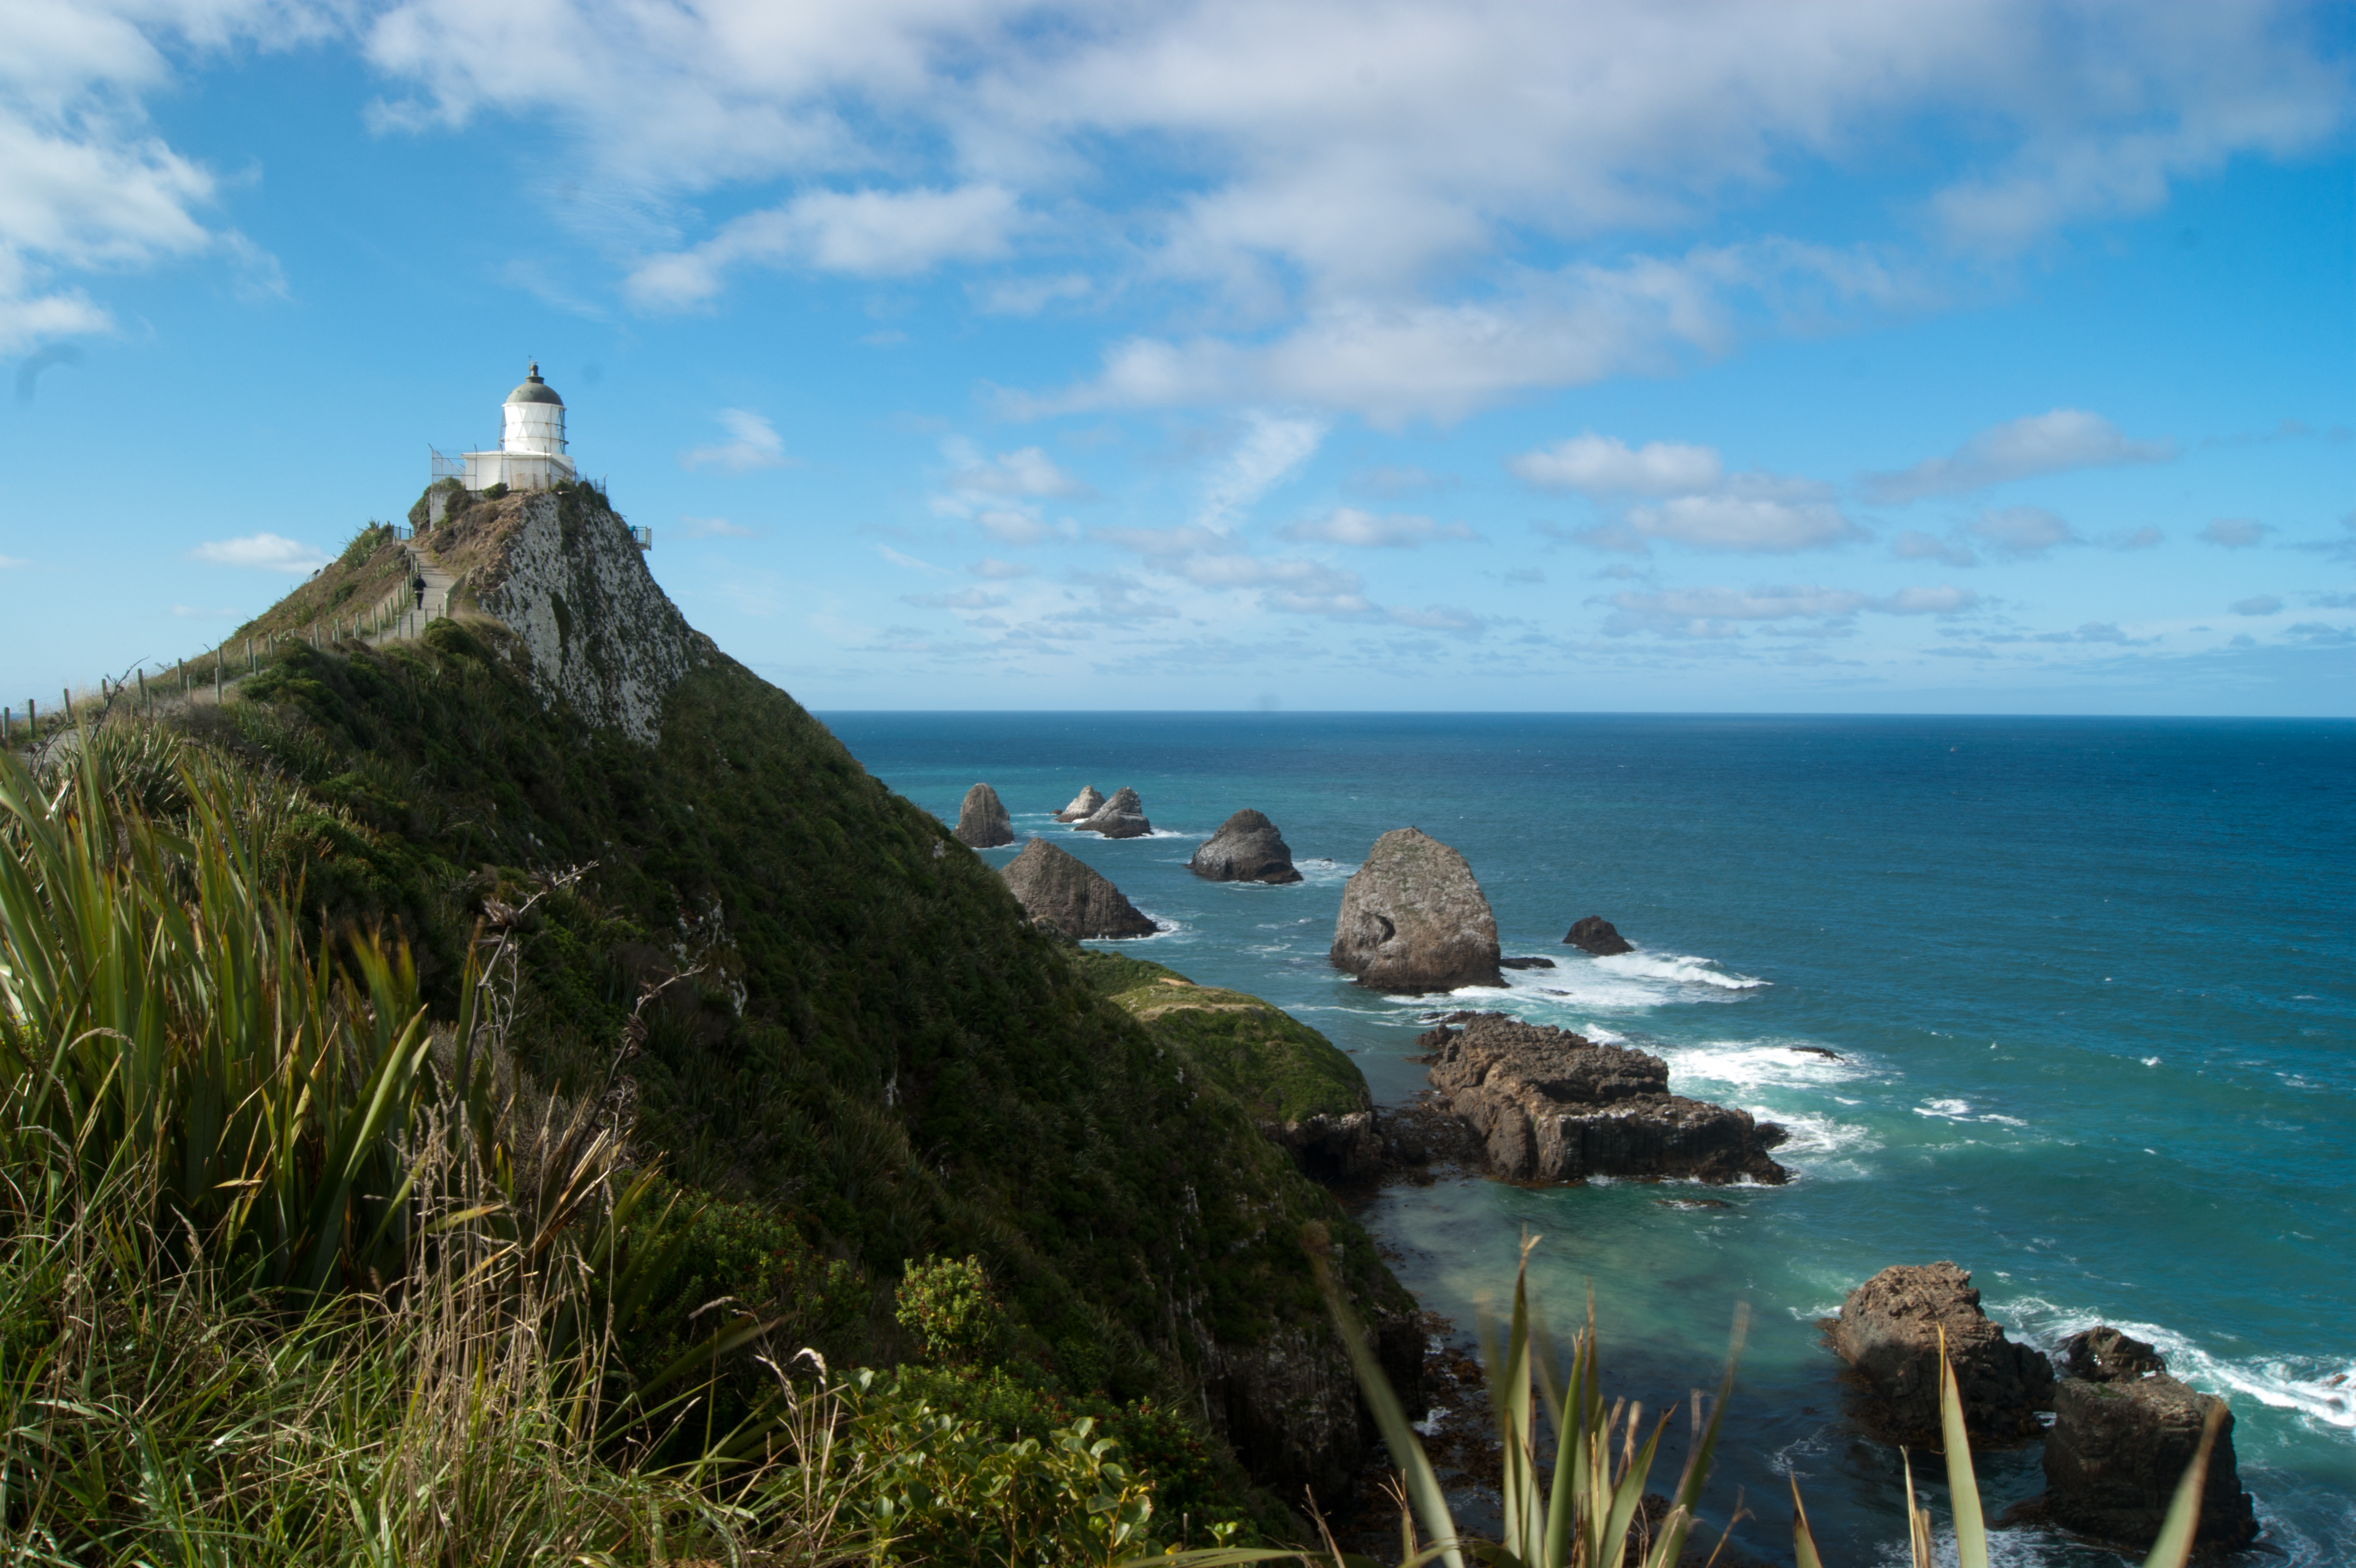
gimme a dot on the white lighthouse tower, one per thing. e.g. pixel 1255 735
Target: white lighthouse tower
pixel 531 452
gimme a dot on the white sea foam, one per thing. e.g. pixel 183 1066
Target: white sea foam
pixel 1947 1110
pixel 1755 1064
pixel 1818 1146
pixel 1684 970
pixel 2301 1384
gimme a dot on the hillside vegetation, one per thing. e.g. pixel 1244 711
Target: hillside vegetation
pixel 827 1050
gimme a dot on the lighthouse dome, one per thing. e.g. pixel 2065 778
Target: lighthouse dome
pixel 535 391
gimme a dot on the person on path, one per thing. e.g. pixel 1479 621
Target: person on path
pixel 418 585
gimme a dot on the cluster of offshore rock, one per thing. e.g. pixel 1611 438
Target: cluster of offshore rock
pixel 2122 1433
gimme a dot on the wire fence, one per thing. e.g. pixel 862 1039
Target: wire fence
pixel 213 676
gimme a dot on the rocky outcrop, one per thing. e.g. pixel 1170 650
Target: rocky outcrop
pixel 1551 1105
pixel 1413 919
pixel 1246 848
pixel 2121 1444
pixel 982 822
pixel 1122 816
pixel 2102 1354
pixel 1084 805
pixel 1887 1332
pixel 1056 890
pixel 1594 935
pixel 563 573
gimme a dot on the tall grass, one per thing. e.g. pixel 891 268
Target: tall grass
pixel 284 1276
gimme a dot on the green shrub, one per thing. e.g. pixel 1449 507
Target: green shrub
pixel 947 1305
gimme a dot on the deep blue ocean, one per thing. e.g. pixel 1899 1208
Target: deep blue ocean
pixel 2092 983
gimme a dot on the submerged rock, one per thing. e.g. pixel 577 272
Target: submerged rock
pixel 982 822
pixel 1525 964
pixel 1887 1332
pixel 1058 890
pixel 1551 1105
pixel 1122 816
pixel 1413 919
pixel 1595 934
pixel 1246 848
pixel 1084 805
pixel 2118 1448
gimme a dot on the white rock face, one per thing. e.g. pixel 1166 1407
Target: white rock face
pixel 602 632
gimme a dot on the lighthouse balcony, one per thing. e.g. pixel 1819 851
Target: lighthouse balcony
pixel 515 470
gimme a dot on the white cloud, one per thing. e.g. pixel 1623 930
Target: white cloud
pixel 10 562
pixel 2235 533
pixel 260 552
pixel 964 599
pixel 2257 604
pixel 2050 443
pixel 1010 526
pixel 1349 526
pixel 1027 472
pixel 756 445
pixel 992 569
pixel 2020 532
pixel 909 563
pixel 1915 545
pixel 1603 465
pixel 714 528
pixel 1272 447
pixel 1719 611
pixel 1749 524
pixel 865 233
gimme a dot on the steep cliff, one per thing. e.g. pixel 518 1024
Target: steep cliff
pixel 858 1033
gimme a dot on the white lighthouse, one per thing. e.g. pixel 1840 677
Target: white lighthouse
pixel 531 454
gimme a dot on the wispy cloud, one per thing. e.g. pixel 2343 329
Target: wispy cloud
pixel 1603 465
pixel 715 529
pixel 2234 533
pixel 260 552
pixel 1349 526
pixel 755 444
pixel 2024 448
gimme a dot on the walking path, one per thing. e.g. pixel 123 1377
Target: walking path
pixel 413 617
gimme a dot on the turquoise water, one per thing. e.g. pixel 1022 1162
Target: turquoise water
pixel 2090 981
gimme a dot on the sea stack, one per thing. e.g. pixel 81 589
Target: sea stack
pixel 1246 848
pixel 982 822
pixel 1084 805
pixel 1550 1105
pixel 1594 935
pixel 1413 919
pixel 1057 889
pixel 2123 1434
pixel 1887 1332
pixel 1122 816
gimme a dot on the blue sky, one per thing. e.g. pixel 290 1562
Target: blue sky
pixel 1292 354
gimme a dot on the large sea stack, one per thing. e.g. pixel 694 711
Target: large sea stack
pixel 1084 805
pixel 1122 816
pixel 1246 848
pixel 1550 1105
pixel 1887 1332
pixel 2124 1433
pixel 1413 919
pixel 982 822
pixel 1056 888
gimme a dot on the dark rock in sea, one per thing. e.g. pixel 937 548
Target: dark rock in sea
pixel 1057 889
pixel 1122 816
pixel 1525 964
pixel 2119 1448
pixel 1816 1050
pixel 1413 919
pixel 982 822
pixel 1246 848
pixel 1551 1105
pixel 1084 805
pixel 2104 1355
pixel 1595 935
pixel 1887 1332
